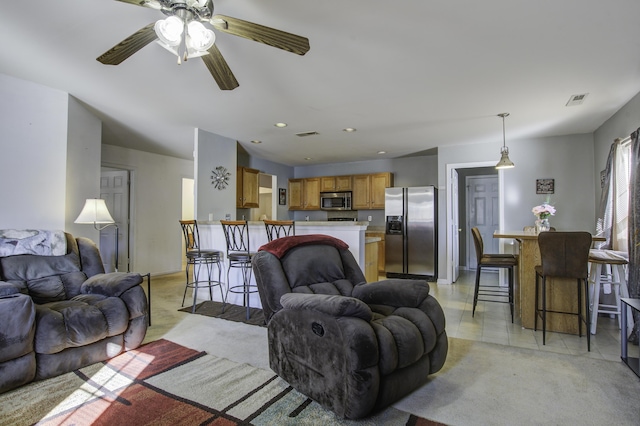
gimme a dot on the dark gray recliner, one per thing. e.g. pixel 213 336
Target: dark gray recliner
pixel 61 313
pixel 353 347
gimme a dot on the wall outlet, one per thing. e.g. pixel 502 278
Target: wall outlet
pixel 369 218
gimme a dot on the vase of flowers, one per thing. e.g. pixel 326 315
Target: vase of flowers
pixel 543 212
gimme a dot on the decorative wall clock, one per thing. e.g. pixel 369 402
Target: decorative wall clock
pixel 220 177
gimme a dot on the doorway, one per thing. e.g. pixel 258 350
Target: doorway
pixel 268 202
pixel 482 212
pixel 459 233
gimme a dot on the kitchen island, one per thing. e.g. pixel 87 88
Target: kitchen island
pixel 212 237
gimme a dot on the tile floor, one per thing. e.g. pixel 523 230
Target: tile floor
pixel 492 321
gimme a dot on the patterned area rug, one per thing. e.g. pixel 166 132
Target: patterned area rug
pixel 228 312
pixel 163 383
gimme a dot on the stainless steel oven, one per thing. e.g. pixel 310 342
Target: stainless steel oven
pixel 335 200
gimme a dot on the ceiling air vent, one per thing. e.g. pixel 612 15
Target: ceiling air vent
pixel 305 134
pixel 576 99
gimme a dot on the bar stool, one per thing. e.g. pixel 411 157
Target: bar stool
pixel 198 258
pixel 279 228
pixel 492 293
pixel 564 255
pixel 236 233
pixel 608 269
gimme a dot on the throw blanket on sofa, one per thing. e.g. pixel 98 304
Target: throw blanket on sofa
pixel 32 241
pixel 280 246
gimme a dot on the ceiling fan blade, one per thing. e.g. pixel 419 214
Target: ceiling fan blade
pixel 128 46
pixel 153 4
pixel 276 38
pixel 219 69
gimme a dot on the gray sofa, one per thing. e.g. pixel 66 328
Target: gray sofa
pixel 353 347
pixel 61 313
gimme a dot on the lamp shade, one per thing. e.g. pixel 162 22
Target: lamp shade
pixel 505 162
pixel 95 211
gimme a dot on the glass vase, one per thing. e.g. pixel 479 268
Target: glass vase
pixel 542 225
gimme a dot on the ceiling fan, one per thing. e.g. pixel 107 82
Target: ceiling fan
pixel 184 34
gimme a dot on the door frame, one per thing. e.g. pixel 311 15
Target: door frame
pixel 449 220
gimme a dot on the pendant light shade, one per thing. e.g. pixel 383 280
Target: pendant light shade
pixel 505 162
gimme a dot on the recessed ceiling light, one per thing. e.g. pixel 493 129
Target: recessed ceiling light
pixel 308 158
pixel 256 141
pixel 382 152
pixel 281 125
pixel 349 129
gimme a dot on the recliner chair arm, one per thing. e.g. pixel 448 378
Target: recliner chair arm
pixel 393 292
pixel 111 284
pixel 336 306
pixel 8 289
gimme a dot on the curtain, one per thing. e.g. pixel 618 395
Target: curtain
pixel 634 229
pixel 613 211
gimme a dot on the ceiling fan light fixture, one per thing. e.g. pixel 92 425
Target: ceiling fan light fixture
pixel 169 30
pixel 199 38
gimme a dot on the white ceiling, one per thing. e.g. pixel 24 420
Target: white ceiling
pixel 410 75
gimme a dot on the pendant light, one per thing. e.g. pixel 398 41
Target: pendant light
pixel 505 162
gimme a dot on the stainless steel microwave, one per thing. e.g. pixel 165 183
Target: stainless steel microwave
pixel 335 200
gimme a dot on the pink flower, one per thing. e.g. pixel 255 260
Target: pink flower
pixel 544 210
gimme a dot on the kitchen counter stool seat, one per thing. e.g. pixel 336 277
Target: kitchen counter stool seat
pixel 608 268
pixel 492 293
pixel 236 233
pixel 563 255
pixel 198 259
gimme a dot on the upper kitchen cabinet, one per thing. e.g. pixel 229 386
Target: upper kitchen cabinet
pixel 304 194
pixel 368 190
pixel 335 183
pixel 248 193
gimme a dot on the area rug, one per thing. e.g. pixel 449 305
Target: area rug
pixel 228 312
pixel 163 383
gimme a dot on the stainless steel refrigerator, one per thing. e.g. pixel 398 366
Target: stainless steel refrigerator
pixel 411 237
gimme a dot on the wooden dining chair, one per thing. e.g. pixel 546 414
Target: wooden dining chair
pixel 492 293
pixel 563 255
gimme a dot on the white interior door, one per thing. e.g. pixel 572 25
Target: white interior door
pixel 483 196
pixel 114 189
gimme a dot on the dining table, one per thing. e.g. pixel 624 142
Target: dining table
pixel 561 294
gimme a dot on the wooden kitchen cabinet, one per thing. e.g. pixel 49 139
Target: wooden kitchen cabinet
pixel 371 261
pixel 248 193
pixel 368 190
pixel 304 194
pixel 381 249
pixel 335 183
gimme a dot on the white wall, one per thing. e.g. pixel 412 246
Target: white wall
pixel 53 144
pixel 84 140
pixel 33 148
pixel 212 151
pixel 156 201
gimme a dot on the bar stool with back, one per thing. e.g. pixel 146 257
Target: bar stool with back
pixel 564 255
pixel 197 259
pixel 492 293
pixel 279 228
pixel 236 233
